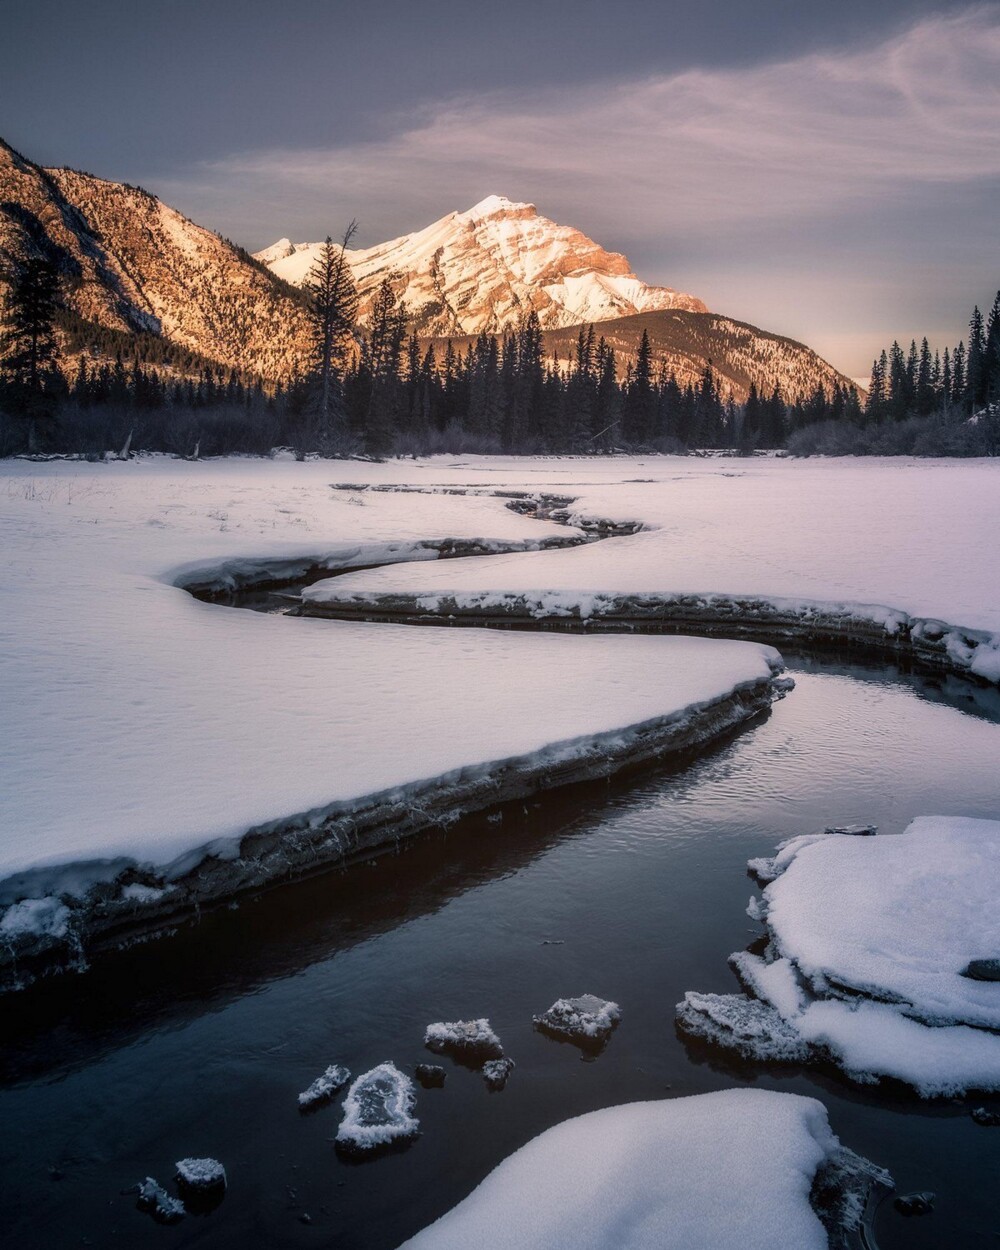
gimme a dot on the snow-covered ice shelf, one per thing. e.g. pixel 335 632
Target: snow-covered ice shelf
pixel 159 752
pixel 875 950
pixel 737 1170
pixel 894 555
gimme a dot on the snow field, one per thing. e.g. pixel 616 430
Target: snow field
pixel 142 729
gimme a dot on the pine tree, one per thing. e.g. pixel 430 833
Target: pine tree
pixel 333 310
pixel 28 349
pixel 991 361
pixel 975 363
pixel 639 412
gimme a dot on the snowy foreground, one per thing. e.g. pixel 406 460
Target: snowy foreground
pixel 736 1170
pixel 158 751
pixel 883 957
pixel 896 554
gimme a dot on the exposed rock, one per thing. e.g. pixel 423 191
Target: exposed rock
pixel 915 1204
pixel 429 1075
pixel 982 970
pixel 496 1072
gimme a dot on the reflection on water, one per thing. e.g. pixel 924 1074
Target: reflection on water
pixel 198 1045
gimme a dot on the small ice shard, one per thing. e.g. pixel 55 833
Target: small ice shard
pixel 155 1199
pixel 752 1028
pixel 496 1072
pixel 845 1194
pixel 586 1020
pixel 471 1040
pixel 915 1204
pixel 324 1087
pixel 377 1110
pixel 988 1119
pixel 200 1175
pixel 982 970
pixel 429 1075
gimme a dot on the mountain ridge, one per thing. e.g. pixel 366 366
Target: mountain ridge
pixel 485 268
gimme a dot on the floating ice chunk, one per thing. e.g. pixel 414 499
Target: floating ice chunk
pixel 898 917
pixel 752 1028
pixel 987 1119
pixel 472 1040
pixel 496 1072
pixel 586 1020
pixel 324 1087
pixel 879 959
pixel 160 1205
pixel 429 1075
pixel 853 831
pixel 200 1175
pixel 664 1174
pixel 378 1110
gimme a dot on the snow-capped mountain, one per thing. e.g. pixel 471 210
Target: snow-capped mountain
pixel 485 268
pixel 132 264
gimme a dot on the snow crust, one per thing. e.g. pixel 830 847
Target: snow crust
pixel 142 730
pixel 731 1170
pixel 869 942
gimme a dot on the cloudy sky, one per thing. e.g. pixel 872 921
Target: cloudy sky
pixel 829 171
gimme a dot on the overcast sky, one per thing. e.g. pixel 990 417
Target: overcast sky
pixel 829 171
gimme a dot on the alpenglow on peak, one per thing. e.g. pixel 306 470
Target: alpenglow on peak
pixel 486 268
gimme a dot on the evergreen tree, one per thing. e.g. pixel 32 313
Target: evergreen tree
pixel 333 310
pixel 975 363
pixel 28 349
pixel 639 412
pixel 991 360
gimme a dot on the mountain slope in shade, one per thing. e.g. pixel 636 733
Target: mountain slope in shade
pixel 686 342
pixel 484 269
pixel 131 263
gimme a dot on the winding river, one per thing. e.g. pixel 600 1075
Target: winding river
pixel 633 890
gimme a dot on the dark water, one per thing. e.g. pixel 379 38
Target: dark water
pixel 199 1045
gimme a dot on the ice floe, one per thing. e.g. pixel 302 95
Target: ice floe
pixel 587 1020
pixel 472 1041
pixel 879 958
pixel 378 1111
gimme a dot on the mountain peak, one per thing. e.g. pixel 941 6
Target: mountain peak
pixel 493 205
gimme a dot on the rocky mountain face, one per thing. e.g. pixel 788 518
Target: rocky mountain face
pixel 739 354
pixel 130 263
pixel 484 269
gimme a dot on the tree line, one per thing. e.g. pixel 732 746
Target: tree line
pixel 379 391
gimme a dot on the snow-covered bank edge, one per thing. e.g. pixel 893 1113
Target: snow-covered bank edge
pixel 884 631
pixel 739 1169
pixel 50 932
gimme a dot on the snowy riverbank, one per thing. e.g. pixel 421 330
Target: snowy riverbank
pixel 160 752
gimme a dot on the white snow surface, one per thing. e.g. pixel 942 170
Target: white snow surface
pixel 140 725
pixel 463 1035
pixel 869 937
pixel 730 1170
pixel 898 917
pixel 876 540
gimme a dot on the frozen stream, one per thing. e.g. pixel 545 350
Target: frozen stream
pixel 198 1045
